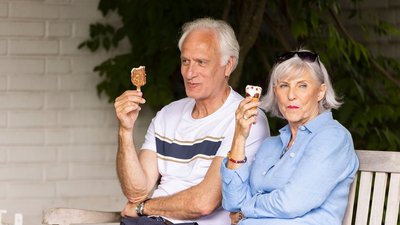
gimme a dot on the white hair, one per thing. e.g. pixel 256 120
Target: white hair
pixel 296 66
pixel 229 46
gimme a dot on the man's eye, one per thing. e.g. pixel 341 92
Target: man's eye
pixel 184 62
pixel 202 62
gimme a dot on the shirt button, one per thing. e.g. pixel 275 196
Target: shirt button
pixel 264 173
pixel 292 154
pixel 302 128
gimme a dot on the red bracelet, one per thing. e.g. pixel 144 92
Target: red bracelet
pixel 236 161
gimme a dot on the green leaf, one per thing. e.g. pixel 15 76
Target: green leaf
pixel 299 29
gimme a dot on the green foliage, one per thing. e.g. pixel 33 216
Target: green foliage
pixel 369 84
pixel 152 28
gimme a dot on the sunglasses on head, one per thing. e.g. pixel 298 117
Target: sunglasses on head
pixel 303 55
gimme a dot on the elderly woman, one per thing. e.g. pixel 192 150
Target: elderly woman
pixel 302 176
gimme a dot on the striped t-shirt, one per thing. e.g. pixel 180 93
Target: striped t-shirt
pixel 186 147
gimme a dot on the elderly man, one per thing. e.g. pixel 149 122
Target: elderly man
pixel 176 173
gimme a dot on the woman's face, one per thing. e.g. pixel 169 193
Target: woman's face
pixel 298 97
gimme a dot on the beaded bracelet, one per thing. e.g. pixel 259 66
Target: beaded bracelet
pixel 236 161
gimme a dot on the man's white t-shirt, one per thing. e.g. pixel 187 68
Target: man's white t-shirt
pixel 186 146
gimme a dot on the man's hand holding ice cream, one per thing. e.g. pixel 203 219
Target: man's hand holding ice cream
pixel 127 105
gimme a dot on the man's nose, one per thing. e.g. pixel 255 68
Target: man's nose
pixel 190 71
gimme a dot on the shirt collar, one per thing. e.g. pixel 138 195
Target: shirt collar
pixel 319 121
pixel 312 125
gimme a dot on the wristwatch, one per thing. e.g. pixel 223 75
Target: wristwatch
pixel 140 208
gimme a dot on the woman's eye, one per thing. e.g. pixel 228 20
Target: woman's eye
pixel 283 85
pixel 303 85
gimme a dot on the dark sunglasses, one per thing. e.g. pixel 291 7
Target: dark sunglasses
pixel 304 55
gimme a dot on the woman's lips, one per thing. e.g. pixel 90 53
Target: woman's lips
pixel 293 107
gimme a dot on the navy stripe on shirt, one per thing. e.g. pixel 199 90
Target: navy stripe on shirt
pixel 205 147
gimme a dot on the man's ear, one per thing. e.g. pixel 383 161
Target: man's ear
pixel 229 66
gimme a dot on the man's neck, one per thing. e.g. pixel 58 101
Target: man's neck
pixel 209 106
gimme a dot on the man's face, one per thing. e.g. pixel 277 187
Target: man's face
pixel 201 67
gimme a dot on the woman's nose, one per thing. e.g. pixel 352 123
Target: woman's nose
pixel 291 94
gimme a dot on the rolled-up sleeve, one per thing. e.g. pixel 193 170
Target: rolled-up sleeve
pixel 235 186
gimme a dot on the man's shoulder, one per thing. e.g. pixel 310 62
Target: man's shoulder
pixel 234 96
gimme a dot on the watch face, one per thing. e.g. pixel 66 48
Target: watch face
pixel 139 209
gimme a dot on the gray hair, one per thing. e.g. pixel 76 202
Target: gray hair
pixel 295 66
pixel 227 41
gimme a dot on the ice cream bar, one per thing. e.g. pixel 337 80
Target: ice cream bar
pixel 254 92
pixel 138 77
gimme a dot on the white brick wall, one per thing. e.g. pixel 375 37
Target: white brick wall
pixel 57 138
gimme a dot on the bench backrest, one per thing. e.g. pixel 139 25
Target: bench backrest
pixel 375 193
pixel 373 200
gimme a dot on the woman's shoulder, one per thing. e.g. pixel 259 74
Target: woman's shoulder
pixel 332 138
pixel 334 128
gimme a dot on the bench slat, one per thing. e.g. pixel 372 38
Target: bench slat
pixel 350 206
pixel 378 199
pixel 392 209
pixel 364 194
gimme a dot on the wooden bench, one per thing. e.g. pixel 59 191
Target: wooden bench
pixel 373 200
pixel 376 190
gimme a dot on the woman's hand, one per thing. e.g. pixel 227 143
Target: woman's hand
pixel 127 107
pixel 235 217
pixel 246 115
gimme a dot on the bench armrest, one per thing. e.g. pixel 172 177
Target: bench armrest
pixel 67 216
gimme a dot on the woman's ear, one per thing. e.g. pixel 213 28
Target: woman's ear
pixel 322 91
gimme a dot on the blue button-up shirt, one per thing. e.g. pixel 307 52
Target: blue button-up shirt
pixel 308 185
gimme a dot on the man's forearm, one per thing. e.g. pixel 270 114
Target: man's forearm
pixel 130 172
pixel 184 206
pixel 194 202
